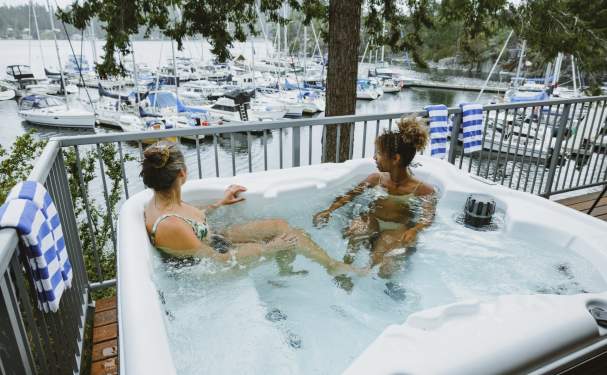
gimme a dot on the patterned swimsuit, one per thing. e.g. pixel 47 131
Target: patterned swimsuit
pixel 218 242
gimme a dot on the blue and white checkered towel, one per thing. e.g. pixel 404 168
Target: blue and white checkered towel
pixel 472 126
pixel 439 129
pixel 30 209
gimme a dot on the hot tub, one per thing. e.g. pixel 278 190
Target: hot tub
pixel 467 307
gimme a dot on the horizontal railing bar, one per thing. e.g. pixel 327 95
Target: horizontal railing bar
pixel 601 183
pixel 102 284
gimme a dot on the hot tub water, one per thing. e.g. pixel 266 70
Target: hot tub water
pixel 234 319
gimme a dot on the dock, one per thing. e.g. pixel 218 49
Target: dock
pixel 455 86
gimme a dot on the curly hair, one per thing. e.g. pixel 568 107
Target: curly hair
pixel 412 136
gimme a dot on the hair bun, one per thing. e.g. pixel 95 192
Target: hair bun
pixel 413 132
pixel 157 155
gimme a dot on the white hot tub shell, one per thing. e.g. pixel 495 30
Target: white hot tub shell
pixel 512 333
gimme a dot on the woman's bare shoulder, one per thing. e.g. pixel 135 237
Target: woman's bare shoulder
pixel 373 178
pixel 176 234
pixel 424 189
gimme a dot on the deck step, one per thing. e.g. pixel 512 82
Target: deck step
pixel 104 318
pixel 105 304
pixel 104 357
pixel 105 350
pixel 106 367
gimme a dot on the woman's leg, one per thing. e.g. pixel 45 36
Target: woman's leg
pixel 361 232
pixel 280 236
pixel 258 230
pixel 310 249
pixel 388 241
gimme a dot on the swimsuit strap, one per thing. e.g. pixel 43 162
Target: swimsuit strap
pixel 200 229
pixel 416 186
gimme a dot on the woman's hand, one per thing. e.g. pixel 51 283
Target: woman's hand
pixel 409 236
pixel 322 218
pixel 231 194
pixel 284 241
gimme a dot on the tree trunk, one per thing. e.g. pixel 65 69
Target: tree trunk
pixel 342 72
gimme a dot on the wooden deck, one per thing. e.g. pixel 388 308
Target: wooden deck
pixel 105 338
pixel 584 202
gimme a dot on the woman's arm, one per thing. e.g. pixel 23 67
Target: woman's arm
pixel 428 206
pixel 322 217
pixel 231 196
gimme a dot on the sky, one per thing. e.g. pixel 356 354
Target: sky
pixel 62 3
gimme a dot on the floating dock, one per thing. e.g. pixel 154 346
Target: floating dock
pixel 455 86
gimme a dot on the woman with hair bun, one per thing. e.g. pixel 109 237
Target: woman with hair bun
pixel 387 224
pixel 180 229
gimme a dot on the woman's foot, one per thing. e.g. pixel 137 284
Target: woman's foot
pixel 339 268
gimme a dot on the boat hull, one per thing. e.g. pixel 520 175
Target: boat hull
pixel 77 120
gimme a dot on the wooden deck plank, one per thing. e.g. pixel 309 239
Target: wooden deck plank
pixel 104 356
pixel 105 304
pixel 584 206
pixel 598 211
pixel 105 317
pixel 105 350
pixel 105 333
pixel 583 203
pixel 579 198
pixel 106 367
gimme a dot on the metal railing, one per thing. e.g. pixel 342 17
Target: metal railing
pixel 543 148
pixel 32 342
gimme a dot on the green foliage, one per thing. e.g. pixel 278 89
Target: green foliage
pixel 573 27
pixel 97 245
pixel 16 163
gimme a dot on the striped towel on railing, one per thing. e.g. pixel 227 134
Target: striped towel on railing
pixel 31 211
pixel 439 129
pixel 472 126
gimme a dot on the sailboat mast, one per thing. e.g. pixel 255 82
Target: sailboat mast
pixel 93 42
pixel 383 46
pixel 50 14
pixel 573 76
pixel 38 34
pixel 286 45
pixel 520 63
pixel 305 51
pixel 135 76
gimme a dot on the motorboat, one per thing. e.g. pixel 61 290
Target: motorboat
pixel 365 90
pixel 53 111
pixel 6 93
pixel 389 86
pixel 20 77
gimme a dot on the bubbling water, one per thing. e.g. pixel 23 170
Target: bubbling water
pixel 254 319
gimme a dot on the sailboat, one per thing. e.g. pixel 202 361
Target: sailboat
pixel 52 111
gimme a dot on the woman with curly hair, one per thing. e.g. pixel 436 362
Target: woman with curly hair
pixel 387 225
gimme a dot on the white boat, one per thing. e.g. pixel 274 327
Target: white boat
pixel 389 86
pixel 20 77
pixel 365 91
pixel 52 111
pixel 227 109
pixel 77 65
pixel 6 93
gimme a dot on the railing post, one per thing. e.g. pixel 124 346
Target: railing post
pixel 296 152
pixel 457 123
pixel 554 157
